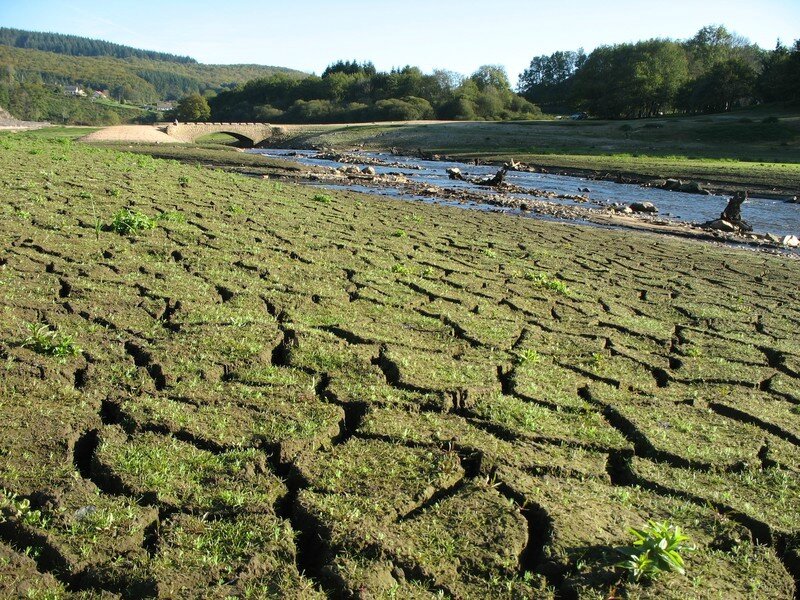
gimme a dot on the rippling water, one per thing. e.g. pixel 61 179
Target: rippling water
pixel 765 215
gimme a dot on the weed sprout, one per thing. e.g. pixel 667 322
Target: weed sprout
pixel 131 222
pixel 45 341
pixel 656 549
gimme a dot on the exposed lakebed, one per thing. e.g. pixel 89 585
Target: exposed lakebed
pixel 265 395
pixel 541 193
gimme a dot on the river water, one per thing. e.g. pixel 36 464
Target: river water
pixel 765 215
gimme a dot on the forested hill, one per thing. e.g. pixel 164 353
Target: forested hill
pixel 135 80
pixel 74 45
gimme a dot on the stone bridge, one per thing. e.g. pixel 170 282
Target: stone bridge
pixel 250 133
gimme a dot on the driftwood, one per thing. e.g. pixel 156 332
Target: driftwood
pixel 733 212
pixel 495 180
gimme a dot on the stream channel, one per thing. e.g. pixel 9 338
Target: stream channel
pixel 774 216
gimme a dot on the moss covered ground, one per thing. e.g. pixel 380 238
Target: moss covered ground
pixel 260 395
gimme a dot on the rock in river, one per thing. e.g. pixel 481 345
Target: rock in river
pixel 644 207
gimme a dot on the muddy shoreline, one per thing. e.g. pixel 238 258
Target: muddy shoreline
pixel 357 174
pixel 618 176
pixel 287 169
pixel 624 177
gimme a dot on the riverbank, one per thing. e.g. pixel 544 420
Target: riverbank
pixel 756 150
pixel 417 185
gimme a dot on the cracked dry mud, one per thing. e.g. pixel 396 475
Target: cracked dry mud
pixel 277 397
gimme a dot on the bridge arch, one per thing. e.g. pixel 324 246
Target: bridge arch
pixel 251 133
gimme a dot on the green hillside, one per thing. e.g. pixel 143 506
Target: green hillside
pixel 35 66
pixel 133 79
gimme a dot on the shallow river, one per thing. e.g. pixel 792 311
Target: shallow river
pixel 765 215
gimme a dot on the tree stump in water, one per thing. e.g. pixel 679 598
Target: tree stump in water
pixel 733 212
pixel 496 180
pixel 731 218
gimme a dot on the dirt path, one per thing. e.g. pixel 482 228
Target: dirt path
pixel 149 134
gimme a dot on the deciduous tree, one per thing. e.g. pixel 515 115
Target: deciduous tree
pixel 193 108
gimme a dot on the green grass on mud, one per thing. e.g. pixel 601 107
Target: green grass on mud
pixel 277 397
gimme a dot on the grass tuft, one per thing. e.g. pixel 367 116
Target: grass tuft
pixel 131 222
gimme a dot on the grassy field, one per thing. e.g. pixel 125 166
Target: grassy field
pixel 759 148
pixel 59 132
pixel 226 387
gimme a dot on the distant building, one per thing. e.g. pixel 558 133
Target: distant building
pixel 100 95
pixel 74 90
pixel 165 106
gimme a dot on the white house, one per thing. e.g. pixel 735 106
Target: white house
pixel 74 90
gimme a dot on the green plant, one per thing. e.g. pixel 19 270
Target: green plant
pixel 11 505
pixel 322 198
pixel 46 341
pixel 131 222
pixel 173 216
pixel 547 281
pixel 399 233
pixel 183 181
pixel 400 269
pixel 596 360
pixel 529 356
pixel 656 549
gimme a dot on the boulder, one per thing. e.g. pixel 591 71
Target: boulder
pixel 692 187
pixel 771 237
pixel 368 171
pixel 790 241
pixel 455 173
pixel 721 225
pixel 643 207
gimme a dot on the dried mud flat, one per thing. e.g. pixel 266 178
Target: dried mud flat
pixel 282 394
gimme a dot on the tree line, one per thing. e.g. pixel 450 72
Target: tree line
pixel 74 45
pixel 714 71
pixel 349 91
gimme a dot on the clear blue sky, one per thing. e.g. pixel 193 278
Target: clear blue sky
pixel 460 36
